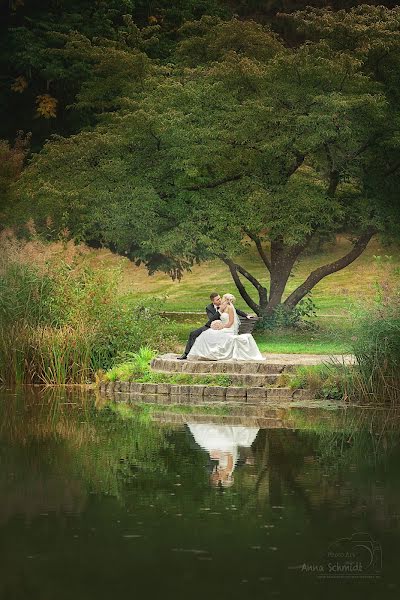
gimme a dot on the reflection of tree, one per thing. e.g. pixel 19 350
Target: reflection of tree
pixel 326 467
pixel 279 457
pixel 62 447
pixel 333 463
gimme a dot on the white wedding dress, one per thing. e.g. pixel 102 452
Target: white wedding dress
pixel 225 344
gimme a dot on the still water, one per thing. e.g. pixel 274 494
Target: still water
pixel 101 500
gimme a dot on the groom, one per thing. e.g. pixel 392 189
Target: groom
pixel 213 314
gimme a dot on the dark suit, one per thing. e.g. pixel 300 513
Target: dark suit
pixel 213 315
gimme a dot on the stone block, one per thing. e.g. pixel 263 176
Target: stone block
pixel 182 390
pixel 228 368
pixel 123 397
pixel 124 386
pixel 196 390
pixel 236 393
pixel 177 398
pixel 185 399
pixel 252 368
pixel 149 388
pixel 144 398
pixel 256 395
pixel 117 386
pixel 279 393
pixel 135 388
pixel 218 391
pixel 164 388
pixel 303 395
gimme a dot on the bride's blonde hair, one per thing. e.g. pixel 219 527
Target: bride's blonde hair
pixel 230 297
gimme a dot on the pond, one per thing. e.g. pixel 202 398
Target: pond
pixel 104 500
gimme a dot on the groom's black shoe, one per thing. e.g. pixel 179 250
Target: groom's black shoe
pixel 183 357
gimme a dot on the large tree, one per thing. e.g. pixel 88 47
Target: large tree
pixel 238 140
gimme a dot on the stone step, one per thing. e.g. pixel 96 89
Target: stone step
pixel 182 419
pixel 168 363
pixel 192 393
pixel 250 380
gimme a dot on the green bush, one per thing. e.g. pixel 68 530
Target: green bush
pixel 326 381
pixel 61 322
pixel 298 317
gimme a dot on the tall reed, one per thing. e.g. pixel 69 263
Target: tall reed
pixel 62 321
pixel 376 347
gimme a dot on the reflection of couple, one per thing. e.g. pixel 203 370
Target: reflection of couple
pixel 222 442
pixel 219 339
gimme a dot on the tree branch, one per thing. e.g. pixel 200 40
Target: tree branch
pixel 363 147
pixel 392 169
pixel 260 249
pixel 296 164
pixel 234 269
pixel 294 251
pixel 316 276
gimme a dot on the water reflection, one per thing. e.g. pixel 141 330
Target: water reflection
pixel 222 443
pixel 96 496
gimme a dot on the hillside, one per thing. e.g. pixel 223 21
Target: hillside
pixel 334 296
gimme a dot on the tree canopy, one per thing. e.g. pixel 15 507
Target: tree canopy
pixel 237 139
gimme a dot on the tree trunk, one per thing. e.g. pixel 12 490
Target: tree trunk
pixel 333 267
pixel 282 261
pixel 280 266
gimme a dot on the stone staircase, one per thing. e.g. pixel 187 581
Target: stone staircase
pixel 168 363
pixel 251 383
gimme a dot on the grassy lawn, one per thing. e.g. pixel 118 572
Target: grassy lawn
pixel 333 336
pixel 337 298
pixel 337 294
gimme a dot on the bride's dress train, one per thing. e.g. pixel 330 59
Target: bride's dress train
pixel 225 344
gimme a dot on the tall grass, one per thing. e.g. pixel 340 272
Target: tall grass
pixel 375 376
pixel 377 349
pixel 61 321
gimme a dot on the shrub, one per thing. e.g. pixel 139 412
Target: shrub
pixel 326 381
pixel 62 321
pixel 298 317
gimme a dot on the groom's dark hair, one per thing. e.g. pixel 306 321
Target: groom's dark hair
pixel 213 295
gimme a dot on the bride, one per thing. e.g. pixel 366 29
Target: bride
pixel 222 341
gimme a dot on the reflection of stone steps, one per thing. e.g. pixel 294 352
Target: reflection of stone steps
pixel 261 422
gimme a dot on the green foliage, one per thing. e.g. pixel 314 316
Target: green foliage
pixel 235 136
pixel 129 365
pixel 374 378
pixel 12 159
pixel 138 369
pixel 185 379
pixel 62 49
pixel 326 381
pixel 62 322
pixel 283 317
pixel 376 346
